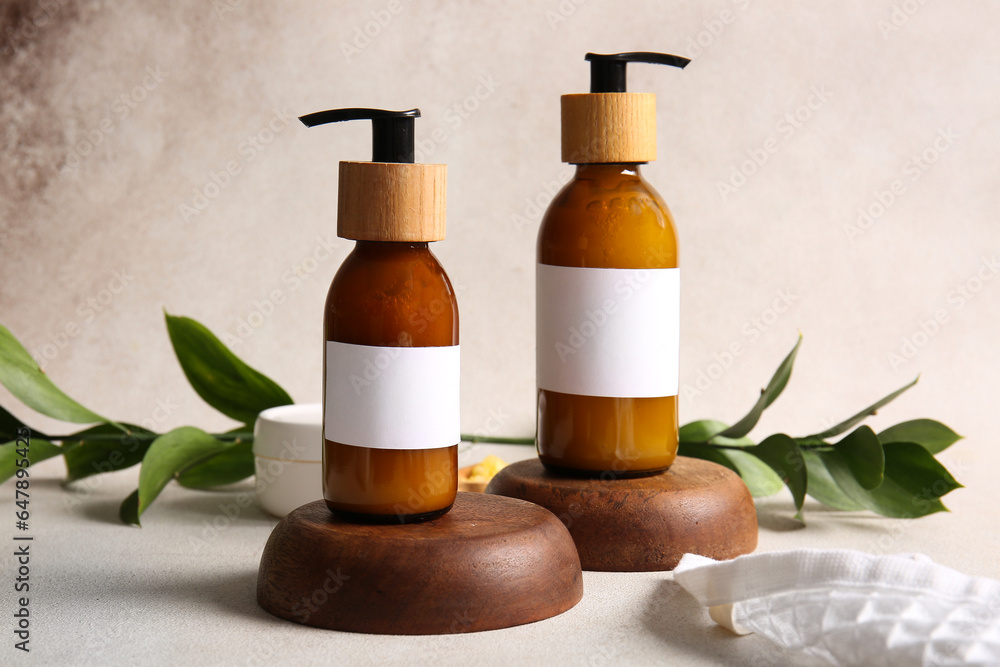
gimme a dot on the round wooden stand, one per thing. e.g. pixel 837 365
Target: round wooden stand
pixel 643 524
pixel 491 562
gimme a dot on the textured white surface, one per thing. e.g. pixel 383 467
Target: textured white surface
pixel 95 244
pixel 853 608
pixel 181 588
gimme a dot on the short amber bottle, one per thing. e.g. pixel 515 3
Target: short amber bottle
pixel 608 290
pixel 390 295
pixel 391 357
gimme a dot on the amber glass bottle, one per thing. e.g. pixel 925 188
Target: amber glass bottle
pixel 608 290
pixel 390 295
pixel 608 216
pixel 391 356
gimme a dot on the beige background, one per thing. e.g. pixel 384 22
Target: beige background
pixel 116 116
pixel 217 87
pixel 227 80
pixel 119 121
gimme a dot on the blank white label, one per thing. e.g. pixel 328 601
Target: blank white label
pixel 392 397
pixel 608 332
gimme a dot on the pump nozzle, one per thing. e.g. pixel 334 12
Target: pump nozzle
pixel 607 71
pixel 390 198
pixel 392 131
pixel 609 125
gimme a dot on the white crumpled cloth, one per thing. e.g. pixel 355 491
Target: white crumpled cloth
pixel 852 608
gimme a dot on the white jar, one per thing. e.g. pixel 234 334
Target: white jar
pixel 287 449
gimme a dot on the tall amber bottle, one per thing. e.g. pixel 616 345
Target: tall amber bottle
pixel 391 362
pixel 608 290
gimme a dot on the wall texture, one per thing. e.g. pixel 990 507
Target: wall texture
pixel 831 166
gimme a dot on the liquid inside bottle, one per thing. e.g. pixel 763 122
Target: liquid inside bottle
pixel 390 295
pixel 607 217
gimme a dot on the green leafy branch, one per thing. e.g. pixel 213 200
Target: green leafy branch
pixel 195 458
pixel 893 473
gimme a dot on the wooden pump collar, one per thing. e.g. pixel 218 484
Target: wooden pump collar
pixel 391 201
pixel 608 128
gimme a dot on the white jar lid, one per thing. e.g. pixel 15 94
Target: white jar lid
pixel 290 433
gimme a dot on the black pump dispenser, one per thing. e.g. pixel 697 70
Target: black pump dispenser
pixel 607 70
pixel 392 131
pixel 609 125
pixel 391 198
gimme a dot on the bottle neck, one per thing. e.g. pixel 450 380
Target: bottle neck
pixel 602 171
pixel 390 248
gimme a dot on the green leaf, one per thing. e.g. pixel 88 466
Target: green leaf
pixel 9 426
pixel 38 450
pixel 220 377
pixel 783 455
pixel 92 458
pixel 758 476
pixel 706 453
pixel 933 436
pixel 707 430
pixel 129 510
pixel 862 452
pixel 914 482
pixel 699 439
pixel 864 414
pixel 767 396
pixel 169 454
pixel 29 383
pixel 822 486
pixel 232 464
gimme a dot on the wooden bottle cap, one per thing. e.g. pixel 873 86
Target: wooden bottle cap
pixel 489 563
pixel 608 128
pixel 391 201
pixel 647 523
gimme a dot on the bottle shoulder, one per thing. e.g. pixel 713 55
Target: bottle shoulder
pixel 608 221
pixel 392 298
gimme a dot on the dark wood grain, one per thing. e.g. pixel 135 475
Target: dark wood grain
pixel 643 524
pixel 491 562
